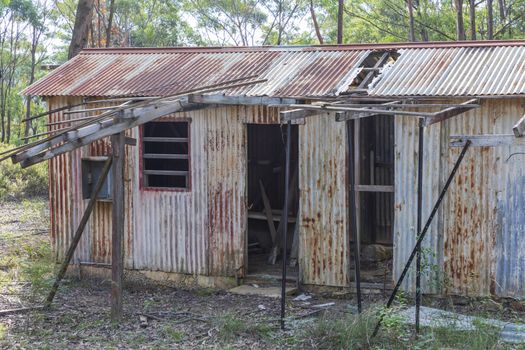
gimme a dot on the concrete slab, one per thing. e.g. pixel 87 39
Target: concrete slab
pixel 272 292
pixel 430 317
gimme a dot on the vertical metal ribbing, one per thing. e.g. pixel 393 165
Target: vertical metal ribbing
pixel 284 217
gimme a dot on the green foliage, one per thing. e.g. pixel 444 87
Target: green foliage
pixel 16 182
pixel 231 326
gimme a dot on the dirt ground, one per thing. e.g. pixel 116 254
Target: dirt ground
pixel 175 317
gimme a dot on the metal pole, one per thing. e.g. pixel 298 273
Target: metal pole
pixel 284 217
pixel 419 218
pixel 425 229
pixel 353 215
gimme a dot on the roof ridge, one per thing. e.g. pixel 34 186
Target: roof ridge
pixel 341 47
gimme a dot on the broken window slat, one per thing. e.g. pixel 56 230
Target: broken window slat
pixel 164 156
pixel 167 172
pixel 165 139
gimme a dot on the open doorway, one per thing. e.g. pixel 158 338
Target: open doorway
pixel 266 175
pixel 374 171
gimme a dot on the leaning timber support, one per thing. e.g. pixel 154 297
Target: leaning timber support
pixel 117 238
pixel 78 233
pixel 421 236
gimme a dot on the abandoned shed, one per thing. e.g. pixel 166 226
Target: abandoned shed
pixel 204 186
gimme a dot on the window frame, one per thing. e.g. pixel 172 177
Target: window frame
pixel 142 176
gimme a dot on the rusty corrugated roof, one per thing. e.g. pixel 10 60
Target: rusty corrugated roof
pixel 290 71
pixel 455 71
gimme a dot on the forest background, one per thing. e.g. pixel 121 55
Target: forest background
pixel 38 35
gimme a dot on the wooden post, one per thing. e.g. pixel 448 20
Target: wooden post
pixel 78 233
pixel 117 239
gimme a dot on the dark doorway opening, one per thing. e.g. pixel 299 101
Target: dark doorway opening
pixel 266 174
pixel 374 171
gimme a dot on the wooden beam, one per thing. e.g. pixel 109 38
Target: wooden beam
pixel 344 116
pixel 241 100
pixel 90 110
pixel 78 233
pixel 519 128
pixel 450 112
pixel 494 140
pixel 375 188
pixel 268 212
pixel 295 114
pixel 142 115
pixel 117 222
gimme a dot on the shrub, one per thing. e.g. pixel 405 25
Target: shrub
pixel 16 182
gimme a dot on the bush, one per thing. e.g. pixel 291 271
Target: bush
pixel 16 182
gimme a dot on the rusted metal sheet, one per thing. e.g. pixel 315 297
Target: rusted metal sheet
pixel 67 205
pixel 324 247
pixel 227 192
pixel 171 226
pixel 290 71
pixel 455 71
pixel 476 239
pixel 405 200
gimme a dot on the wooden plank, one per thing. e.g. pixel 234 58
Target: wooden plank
pixel 165 139
pixel 493 140
pixel 90 110
pixel 164 156
pixel 268 212
pixel 166 172
pixel 296 114
pixel 375 188
pixel 450 112
pixel 78 233
pixel 344 116
pixel 280 229
pixel 336 108
pixel 519 128
pixel 241 100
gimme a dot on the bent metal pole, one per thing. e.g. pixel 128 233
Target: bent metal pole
pixel 421 236
pixel 354 231
pixel 284 217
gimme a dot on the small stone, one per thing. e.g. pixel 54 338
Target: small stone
pixel 261 307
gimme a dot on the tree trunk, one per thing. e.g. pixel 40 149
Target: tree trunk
pixel 472 14
pixel 460 26
pixel 81 28
pixel 340 21
pixel 411 29
pixel 110 22
pixel 34 45
pixel 490 20
pixel 316 25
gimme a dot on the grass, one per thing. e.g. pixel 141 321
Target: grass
pixel 27 260
pixel 355 332
pixel 231 326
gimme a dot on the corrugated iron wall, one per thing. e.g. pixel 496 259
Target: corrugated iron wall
pixel 67 205
pixel 475 238
pixel 227 149
pixel 324 245
pixel 171 226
